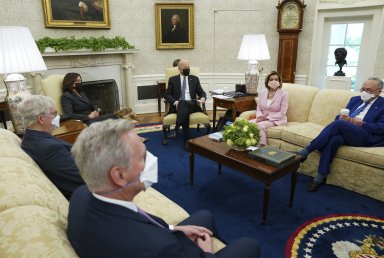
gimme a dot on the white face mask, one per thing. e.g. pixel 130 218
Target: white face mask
pixel 273 84
pixel 149 175
pixel 365 96
pixel 56 122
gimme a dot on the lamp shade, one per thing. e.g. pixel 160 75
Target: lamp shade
pixel 254 47
pixel 18 51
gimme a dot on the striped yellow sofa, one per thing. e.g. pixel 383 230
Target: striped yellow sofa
pixel 33 212
pixel 310 110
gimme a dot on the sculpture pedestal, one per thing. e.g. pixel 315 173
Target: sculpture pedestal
pixel 338 82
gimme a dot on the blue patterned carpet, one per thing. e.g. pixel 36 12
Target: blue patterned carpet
pixel 236 200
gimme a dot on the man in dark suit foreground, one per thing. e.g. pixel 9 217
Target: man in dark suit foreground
pixel 103 220
pixel 181 95
pixel 362 127
pixel 51 154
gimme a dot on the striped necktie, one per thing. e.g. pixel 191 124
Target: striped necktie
pixel 358 110
pixel 182 97
pixel 146 215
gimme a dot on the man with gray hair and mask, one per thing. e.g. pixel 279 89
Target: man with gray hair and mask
pixel 361 124
pixel 103 220
pixel 51 154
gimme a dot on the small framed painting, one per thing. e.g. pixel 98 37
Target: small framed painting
pixel 77 14
pixel 174 25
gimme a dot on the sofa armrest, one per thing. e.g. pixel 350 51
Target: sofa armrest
pixel 248 115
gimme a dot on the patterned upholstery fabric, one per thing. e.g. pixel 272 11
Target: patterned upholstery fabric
pixel 310 110
pixel 327 105
pixel 33 231
pixel 52 86
pixel 33 212
pixel 194 118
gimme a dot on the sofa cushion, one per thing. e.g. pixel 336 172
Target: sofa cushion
pixel 194 118
pixel 301 134
pixel 33 231
pixel 372 156
pixel 22 183
pixel 276 131
pixel 300 99
pixel 327 104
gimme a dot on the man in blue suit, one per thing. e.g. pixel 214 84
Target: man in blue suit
pixel 51 154
pixel 181 95
pixel 103 220
pixel 363 127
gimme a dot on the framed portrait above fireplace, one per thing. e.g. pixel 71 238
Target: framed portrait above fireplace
pixel 174 25
pixel 77 14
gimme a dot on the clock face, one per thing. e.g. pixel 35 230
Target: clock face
pixel 290 17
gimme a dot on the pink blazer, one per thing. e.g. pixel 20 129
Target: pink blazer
pixel 277 111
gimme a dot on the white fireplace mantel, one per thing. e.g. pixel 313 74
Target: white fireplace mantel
pixel 118 65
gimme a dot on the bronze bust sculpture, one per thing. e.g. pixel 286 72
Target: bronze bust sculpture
pixel 340 55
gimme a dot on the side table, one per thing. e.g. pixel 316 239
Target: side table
pixel 3 107
pixel 237 105
pixel 69 130
pixel 160 95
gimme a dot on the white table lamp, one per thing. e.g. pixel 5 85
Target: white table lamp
pixel 253 48
pixel 18 54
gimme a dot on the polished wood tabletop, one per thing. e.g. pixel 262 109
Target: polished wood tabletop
pixel 241 162
pixel 69 130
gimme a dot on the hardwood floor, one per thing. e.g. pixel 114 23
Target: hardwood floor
pixel 156 118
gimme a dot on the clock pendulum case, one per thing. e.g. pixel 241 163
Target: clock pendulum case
pixel 289 25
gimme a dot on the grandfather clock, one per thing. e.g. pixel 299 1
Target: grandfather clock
pixel 289 25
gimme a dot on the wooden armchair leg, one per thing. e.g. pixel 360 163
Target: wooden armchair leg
pixel 166 129
pixel 208 126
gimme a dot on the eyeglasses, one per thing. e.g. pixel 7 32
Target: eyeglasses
pixel 370 91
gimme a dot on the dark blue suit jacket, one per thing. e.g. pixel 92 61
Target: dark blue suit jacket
pixel 102 229
pixel 77 107
pixel 55 159
pixel 173 92
pixel 373 120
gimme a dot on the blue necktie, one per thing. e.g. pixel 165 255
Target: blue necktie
pixel 182 97
pixel 358 110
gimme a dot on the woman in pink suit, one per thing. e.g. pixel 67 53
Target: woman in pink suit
pixel 272 106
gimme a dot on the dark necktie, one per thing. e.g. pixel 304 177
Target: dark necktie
pixel 358 110
pixel 182 97
pixel 144 214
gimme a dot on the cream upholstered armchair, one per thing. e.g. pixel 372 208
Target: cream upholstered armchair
pixel 53 87
pixel 194 118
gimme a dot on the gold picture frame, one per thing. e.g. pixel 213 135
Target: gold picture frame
pixel 77 14
pixel 174 25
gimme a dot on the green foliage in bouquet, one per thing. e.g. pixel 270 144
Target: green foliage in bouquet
pixel 242 134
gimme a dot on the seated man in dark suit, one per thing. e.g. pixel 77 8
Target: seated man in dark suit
pixel 363 127
pixel 51 154
pixel 103 220
pixel 181 95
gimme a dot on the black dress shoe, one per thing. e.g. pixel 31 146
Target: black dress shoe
pixel 312 187
pixel 302 158
pixel 172 135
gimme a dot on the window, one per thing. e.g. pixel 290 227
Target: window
pixel 348 36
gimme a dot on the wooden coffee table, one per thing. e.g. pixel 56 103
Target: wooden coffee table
pixel 69 130
pixel 238 160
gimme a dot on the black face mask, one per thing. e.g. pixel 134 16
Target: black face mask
pixel 186 71
pixel 78 86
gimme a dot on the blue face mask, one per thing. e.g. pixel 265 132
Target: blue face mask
pixel 148 176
